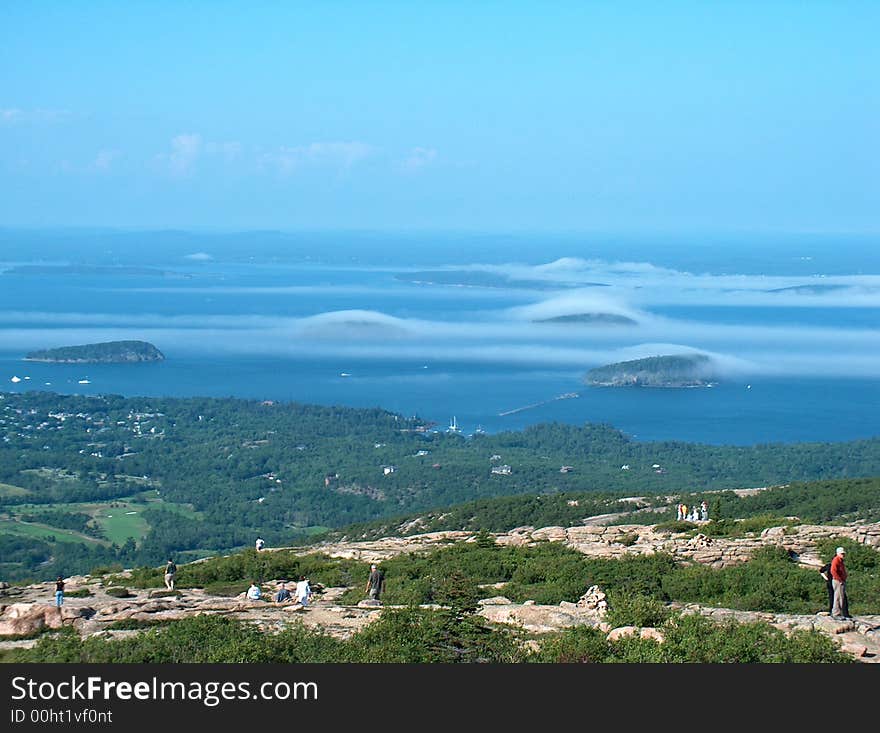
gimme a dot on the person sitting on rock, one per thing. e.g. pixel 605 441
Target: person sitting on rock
pixel 283 595
pixel 254 593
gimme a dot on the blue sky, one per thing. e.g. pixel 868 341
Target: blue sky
pixel 625 116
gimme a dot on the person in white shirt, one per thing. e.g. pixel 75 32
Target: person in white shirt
pixel 303 591
pixel 254 593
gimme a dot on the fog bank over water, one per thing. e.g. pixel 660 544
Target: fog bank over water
pixel 426 330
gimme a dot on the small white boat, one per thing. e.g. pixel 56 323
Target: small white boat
pixel 453 426
pixel 344 374
pixel 84 381
pixel 15 380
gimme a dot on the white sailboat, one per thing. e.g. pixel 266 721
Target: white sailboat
pixel 453 426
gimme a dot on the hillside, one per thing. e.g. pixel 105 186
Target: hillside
pixel 108 352
pixel 93 480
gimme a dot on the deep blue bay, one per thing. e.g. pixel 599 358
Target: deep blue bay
pixel 796 335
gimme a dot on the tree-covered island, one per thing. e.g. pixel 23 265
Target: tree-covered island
pixel 682 370
pixel 116 352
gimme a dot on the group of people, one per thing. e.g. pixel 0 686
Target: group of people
pixel 302 593
pixel 697 513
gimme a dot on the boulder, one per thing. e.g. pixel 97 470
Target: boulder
pixel 495 601
pixel 21 619
pixel 649 632
pixel 622 631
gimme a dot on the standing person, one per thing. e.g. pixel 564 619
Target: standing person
pixel 59 592
pixel 303 591
pixel 684 511
pixel 259 544
pixel 375 583
pixel 679 513
pixel 840 608
pixel 825 572
pixel 704 511
pixel 170 574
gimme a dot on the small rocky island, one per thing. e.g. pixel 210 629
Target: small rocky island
pixel 682 370
pixel 108 352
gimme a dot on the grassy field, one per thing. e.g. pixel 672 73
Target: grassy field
pixel 42 531
pixel 120 518
pixel 121 521
pixel 9 490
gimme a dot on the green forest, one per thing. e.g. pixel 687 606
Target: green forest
pixel 88 481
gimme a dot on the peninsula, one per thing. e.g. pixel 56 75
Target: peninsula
pixel 109 352
pixel 682 370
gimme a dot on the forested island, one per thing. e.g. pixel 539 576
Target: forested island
pixel 590 319
pixel 108 352
pixel 90 480
pixel 682 370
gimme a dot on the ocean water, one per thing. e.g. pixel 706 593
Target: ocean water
pixel 791 323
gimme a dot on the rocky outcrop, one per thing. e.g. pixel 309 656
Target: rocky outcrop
pixel 26 619
pixel 28 610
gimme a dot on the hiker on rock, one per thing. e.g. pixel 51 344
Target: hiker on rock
pixel 59 592
pixel 254 593
pixel 840 608
pixel 170 574
pixel 260 544
pixel 375 583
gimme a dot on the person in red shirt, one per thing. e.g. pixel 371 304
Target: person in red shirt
pixel 839 610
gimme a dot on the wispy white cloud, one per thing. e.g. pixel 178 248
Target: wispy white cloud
pixel 199 257
pixel 104 160
pixel 185 151
pixel 341 155
pixel 12 115
pixel 229 151
pixel 419 158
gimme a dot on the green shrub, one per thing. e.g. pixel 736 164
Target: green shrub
pixel 630 609
pixel 577 645
pixel 628 539
pixel 106 569
pixel 118 592
pixel 80 593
